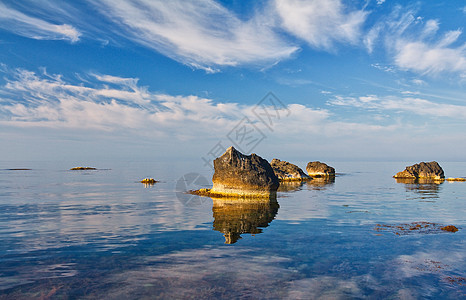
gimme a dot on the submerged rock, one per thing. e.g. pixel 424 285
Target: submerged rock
pixel 430 170
pixel 319 169
pixel 239 175
pixel 456 179
pixel 286 171
pixel 416 228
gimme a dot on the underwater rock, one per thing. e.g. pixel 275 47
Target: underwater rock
pixel 415 228
pixel 286 171
pixel 456 179
pixel 431 170
pixel 319 169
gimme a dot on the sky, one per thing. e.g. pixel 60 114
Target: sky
pixel 290 79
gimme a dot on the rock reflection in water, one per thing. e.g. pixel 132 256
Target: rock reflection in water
pixel 290 186
pixel 319 183
pixel 239 216
pixel 423 188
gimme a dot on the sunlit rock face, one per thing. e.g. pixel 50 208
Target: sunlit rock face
pixel 319 169
pixel 242 216
pixel 237 174
pixel 430 170
pixel 286 171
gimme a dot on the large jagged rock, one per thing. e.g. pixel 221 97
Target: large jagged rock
pixel 430 170
pixel 286 171
pixel 318 169
pixel 242 175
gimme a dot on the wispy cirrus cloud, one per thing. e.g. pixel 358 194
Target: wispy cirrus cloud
pixel 321 23
pixel 417 45
pixel 202 34
pixel 432 58
pixel 35 28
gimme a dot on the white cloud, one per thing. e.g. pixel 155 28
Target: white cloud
pixel 417 106
pixel 202 34
pixel 43 100
pixel 321 23
pixel 35 28
pixel 415 46
pixel 418 81
pixel 426 58
pixel 95 106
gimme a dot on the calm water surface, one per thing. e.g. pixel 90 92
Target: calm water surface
pixel 102 234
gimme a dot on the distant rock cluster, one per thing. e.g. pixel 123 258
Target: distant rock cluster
pixel 239 175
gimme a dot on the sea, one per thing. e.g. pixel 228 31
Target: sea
pixel 102 234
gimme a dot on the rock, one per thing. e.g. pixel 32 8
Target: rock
pixel 318 169
pixel 431 170
pixel 149 181
pixel 239 175
pixel 450 228
pixel 286 171
pixel 83 168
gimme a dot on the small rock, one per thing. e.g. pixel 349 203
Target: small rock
pixel 319 169
pixel 149 181
pixel 450 228
pixel 286 171
pixel 431 170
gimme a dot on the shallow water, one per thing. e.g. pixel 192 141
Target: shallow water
pixel 102 234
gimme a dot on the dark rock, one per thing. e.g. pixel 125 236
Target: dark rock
pixel 286 171
pixel 83 168
pixel 237 174
pixel 431 170
pixel 318 169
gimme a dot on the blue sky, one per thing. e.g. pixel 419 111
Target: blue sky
pixel 128 79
